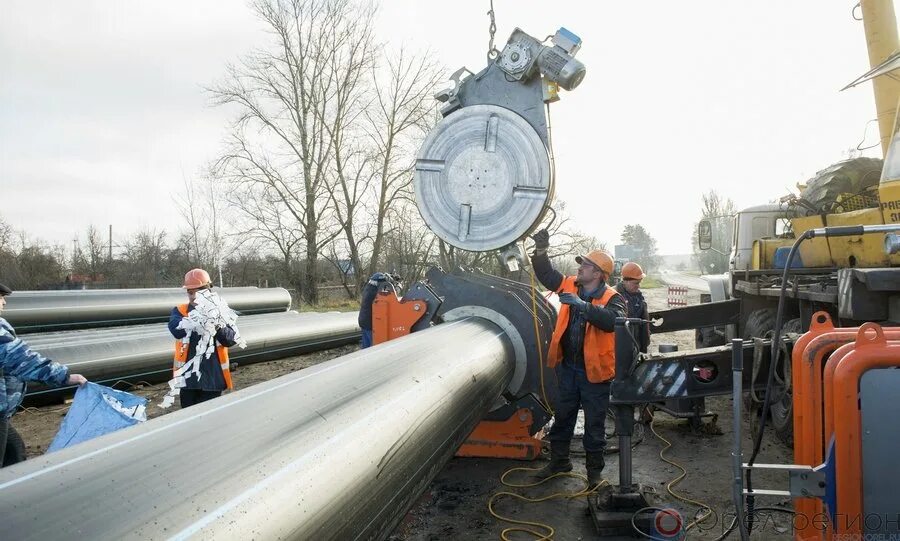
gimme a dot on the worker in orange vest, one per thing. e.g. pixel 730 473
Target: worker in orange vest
pixel 215 371
pixel 582 350
pixel 630 289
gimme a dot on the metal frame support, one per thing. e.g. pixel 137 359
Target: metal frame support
pixel 625 361
pixel 737 375
pixel 804 481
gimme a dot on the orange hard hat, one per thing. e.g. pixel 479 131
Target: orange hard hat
pixel 196 278
pixel 600 259
pixel 632 271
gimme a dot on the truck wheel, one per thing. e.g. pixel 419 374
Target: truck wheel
pixel 782 409
pixel 759 323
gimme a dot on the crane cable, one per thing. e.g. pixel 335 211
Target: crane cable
pixel 492 29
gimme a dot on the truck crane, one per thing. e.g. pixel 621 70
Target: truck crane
pixel 853 278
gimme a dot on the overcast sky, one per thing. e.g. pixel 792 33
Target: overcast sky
pixel 102 109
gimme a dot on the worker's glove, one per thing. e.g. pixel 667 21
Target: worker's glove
pixel 541 241
pixel 573 300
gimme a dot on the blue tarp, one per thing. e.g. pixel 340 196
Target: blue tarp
pixel 98 410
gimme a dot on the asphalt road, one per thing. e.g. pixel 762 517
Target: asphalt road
pixel 674 278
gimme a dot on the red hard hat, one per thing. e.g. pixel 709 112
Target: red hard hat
pixel 633 271
pixel 196 278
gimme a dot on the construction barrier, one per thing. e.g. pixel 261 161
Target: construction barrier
pixel 830 401
pixel 677 296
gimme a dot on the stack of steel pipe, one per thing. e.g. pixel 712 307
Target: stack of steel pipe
pixel 337 451
pixel 145 351
pixel 43 311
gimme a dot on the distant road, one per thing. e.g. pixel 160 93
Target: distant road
pixel 674 278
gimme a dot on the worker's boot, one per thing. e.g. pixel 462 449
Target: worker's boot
pixel 594 463
pixel 559 461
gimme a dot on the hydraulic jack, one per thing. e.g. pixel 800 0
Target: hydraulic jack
pixel 618 510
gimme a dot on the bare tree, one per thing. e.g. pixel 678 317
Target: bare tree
pixel 145 260
pixel 96 252
pixel 452 257
pixel 280 151
pixel 719 210
pixel 262 220
pixel 409 247
pixel 336 255
pixel 27 263
pixel 398 111
pixel 40 265
pixel 91 260
pixel 192 211
pixel 202 207
pixel 6 236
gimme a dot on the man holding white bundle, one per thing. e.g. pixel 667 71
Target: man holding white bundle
pixel 204 329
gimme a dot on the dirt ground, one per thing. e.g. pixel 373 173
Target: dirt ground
pixel 455 504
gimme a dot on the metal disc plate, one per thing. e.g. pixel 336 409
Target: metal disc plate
pixel 482 178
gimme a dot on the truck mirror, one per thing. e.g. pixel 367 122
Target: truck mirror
pixel 704 234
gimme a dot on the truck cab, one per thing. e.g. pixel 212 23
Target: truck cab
pixel 755 234
pixel 769 221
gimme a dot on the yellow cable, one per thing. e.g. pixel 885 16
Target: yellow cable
pixel 547 532
pixel 678 479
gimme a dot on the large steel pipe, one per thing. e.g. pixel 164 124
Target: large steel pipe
pixel 41 311
pixel 337 451
pixel 145 351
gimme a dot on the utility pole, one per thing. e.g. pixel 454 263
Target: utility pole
pixel 110 243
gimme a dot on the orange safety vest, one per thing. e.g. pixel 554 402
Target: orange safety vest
pixel 181 353
pixel 599 345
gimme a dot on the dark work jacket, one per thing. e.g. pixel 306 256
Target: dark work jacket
pixel 637 308
pixel 604 318
pixel 369 292
pixel 213 379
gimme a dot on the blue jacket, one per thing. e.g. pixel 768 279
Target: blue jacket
pixel 18 364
